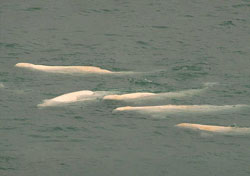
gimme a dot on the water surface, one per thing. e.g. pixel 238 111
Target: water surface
pixel 176 45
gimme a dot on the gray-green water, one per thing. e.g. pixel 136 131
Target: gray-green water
pixel 182 44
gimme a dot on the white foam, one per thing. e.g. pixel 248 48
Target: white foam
pixel 73 97
pixel 215 129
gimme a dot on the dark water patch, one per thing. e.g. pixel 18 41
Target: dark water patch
pixel 241 5
pixel 78 44
pixel 87 46
pixel 227 23
pixel 54 140
pixel 4 74
pixel 160 27
pixel 31 9
pixel 7 158
pixel 10 45
pixel 6 162
pixel 158 133
pixel 75 54
pixel 102 11
pixel 131 126
pixel 49 94
pixel 6 168
pixel 187 75
pixel 78 117
pixel 112 35
pixel 8 128
pixel 78 31
pixel 240 52
pixel 59 58
pixel 13 54
pixel 142 43
pixel 39 136
pixel 189 16
pixel 51 50
pixel 241 20
pixel 76 140
pixel 105 10
pixel 59 129
pixel 71 128
pixel 51 129
pixel 51 29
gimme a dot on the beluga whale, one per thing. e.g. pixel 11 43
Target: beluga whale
pixel 180 108
pixel 72 97
pixel 67 69
pixel 215 129
pixel 149 95
pixel 163 95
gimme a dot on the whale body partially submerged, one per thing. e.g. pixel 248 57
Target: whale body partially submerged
pixel 129 96
pixel 149 95
pixel 66 69
pixel 215 129
pixel 72 97
pixel 180 108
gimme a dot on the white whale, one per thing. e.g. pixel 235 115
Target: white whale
pixel 150 95
pixel 215 129
pixel 72 97
pixel 129 96
pixel 180 108
pixel 66 69
pixel 145 95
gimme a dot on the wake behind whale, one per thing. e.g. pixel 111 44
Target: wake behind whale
pixel 68 98
pixel 215 129
pixel 68 69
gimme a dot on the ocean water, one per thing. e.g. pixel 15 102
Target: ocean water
pixel 175 45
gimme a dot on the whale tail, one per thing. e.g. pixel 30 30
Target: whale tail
pixel 45 103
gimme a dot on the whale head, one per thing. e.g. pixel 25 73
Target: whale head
pixel 25 65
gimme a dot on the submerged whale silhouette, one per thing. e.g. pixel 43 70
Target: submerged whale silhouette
pixel 66 69
pixel 180 108
pixel 1 85
pixel 72 97
pixel 215 129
